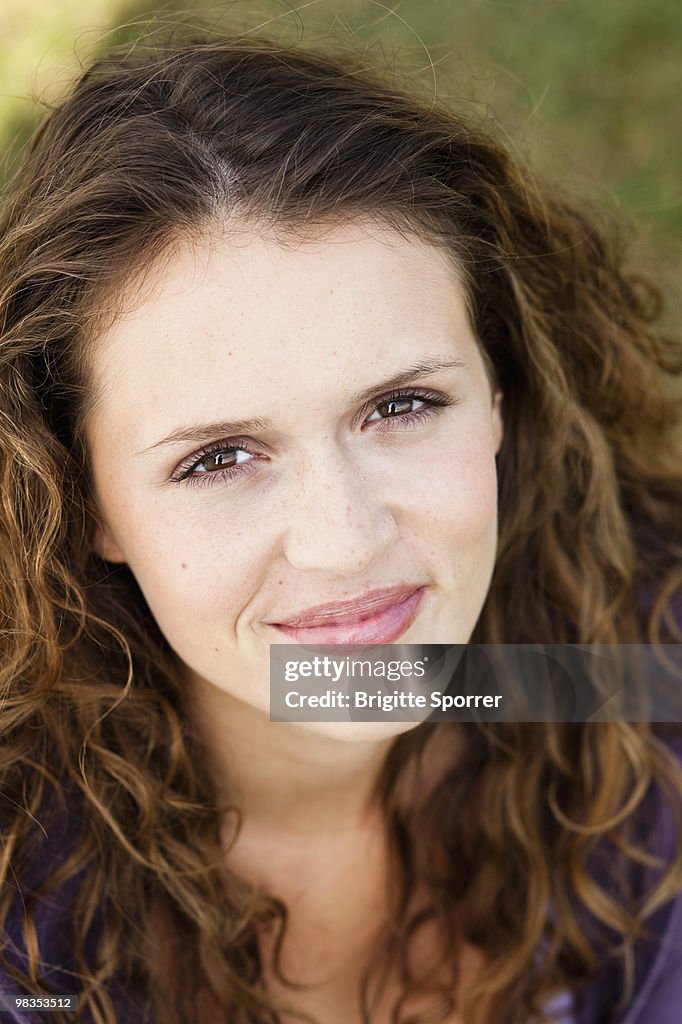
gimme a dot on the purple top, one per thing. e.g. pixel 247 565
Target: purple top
pixel 658 989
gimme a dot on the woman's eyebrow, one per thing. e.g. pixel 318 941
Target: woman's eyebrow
pixel 201 432
pixel 402 377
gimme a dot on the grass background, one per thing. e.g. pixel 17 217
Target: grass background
pixel 588 90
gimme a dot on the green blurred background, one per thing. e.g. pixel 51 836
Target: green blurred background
pixel 589 90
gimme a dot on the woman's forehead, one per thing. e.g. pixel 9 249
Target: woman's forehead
pixel 230 323
pixel 251 289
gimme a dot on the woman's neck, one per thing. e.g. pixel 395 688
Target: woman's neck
pixel 286 779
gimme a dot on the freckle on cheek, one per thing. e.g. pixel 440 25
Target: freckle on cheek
pixel 184 565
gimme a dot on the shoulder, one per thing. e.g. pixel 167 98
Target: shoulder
pixel 658 999
pixel 54 836
pixel 55 841
pixel 657 995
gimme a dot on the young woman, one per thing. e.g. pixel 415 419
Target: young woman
pixel 290 354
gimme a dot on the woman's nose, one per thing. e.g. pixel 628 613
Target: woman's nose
pixel 335 519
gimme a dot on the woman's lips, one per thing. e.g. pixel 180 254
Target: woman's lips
pixel 382 628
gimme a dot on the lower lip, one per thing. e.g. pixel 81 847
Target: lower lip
pixel 383 628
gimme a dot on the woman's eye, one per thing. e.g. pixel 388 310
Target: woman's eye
pixel 223 461
pixel 397 412
pixel 392 408
pixel 226 458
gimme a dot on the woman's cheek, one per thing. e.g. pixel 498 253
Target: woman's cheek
pixel 191 570
pixel 459 486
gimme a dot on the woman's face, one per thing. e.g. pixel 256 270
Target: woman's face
pixel 339 484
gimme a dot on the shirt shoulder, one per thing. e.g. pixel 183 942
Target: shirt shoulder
pixel 658 999
pixel 56 835
pixel 657 995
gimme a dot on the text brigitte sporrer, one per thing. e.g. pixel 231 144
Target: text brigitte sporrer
pixel 388 702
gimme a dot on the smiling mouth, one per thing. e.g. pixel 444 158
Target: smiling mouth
pixel 382 627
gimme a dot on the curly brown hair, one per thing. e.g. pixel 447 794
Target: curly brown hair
pixel 158 144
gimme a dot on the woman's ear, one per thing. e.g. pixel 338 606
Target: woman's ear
pixel 498 422
pixel 105 546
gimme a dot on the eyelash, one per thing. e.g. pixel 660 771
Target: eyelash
pixel 187 475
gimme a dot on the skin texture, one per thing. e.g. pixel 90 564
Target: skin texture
pixel 334 500
pixel 337 499
pixel 328 508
